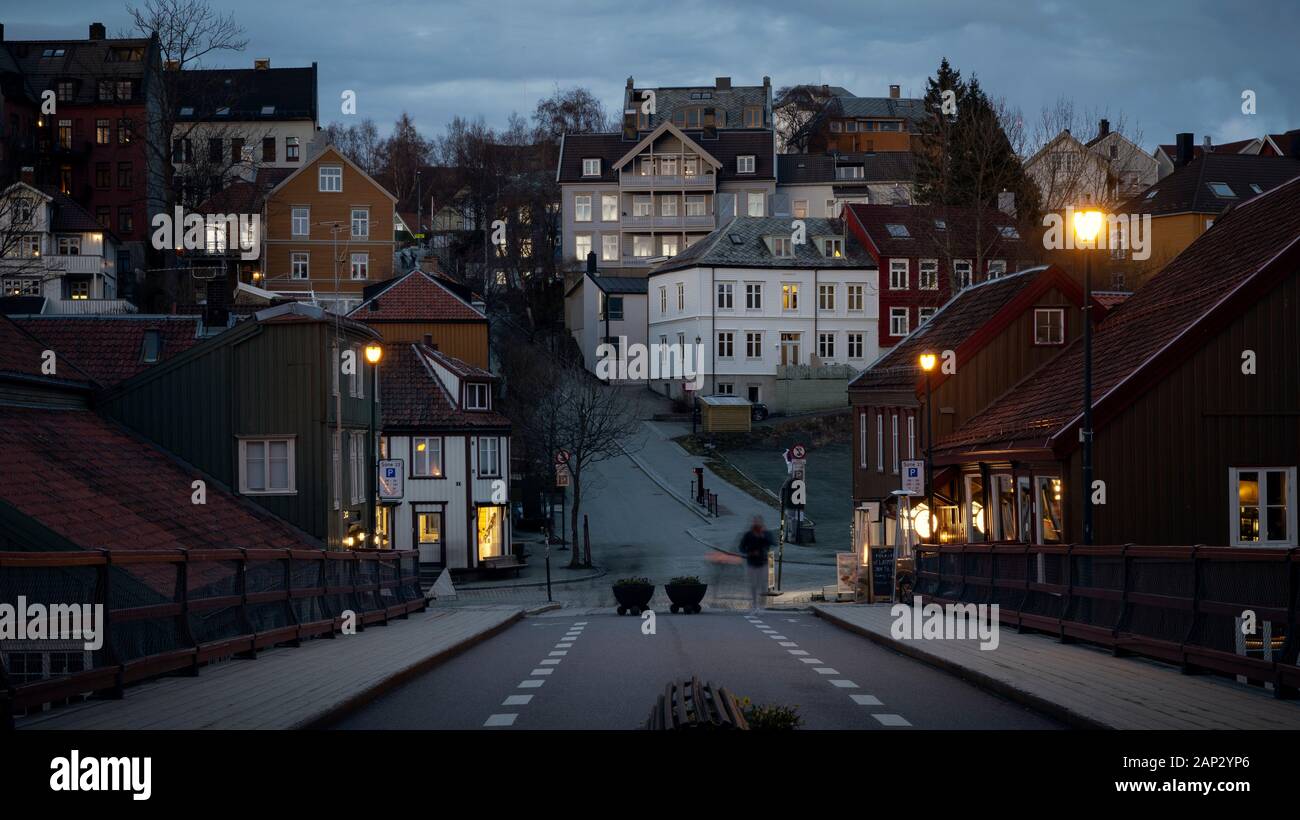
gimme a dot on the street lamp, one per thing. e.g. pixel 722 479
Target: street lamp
pixel 1087 225
pixel 374 352
pixel 928 361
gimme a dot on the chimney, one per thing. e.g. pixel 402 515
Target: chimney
pixel 97 31
pixel 894 92
pixel 826 90
pixel 767 81
pixel 1208 144
pixel 28 175
pixel 591 263
pixel 722 84
pixel 1103 128
pixel 1183 152
pixel 1007 202
pixel 262 63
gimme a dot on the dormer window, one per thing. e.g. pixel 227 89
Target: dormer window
pixel 833 248
pixel 151 346
pixel 591 167
pixel 477 396
pixel 781 246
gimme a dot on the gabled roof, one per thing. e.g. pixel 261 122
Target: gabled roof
pixel 957 237
pixel 67 215
pixel 610 148
pixel 622 285
pixel 113 489
pixel 812 169
pixel 85 61
pixel 415 297
pixel 248 94
pixel 1187 189
pixel 414 399
pixel 1219 276
pixel 964 324
pixel 303 312
pixel 741 243
pixel 330 154
pixel 110 348
pixel 649 139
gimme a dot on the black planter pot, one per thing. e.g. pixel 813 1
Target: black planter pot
pixel 686 597
pixel 634 598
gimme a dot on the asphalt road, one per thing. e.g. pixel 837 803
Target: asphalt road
pixel 564 670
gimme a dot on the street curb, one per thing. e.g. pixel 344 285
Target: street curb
pixel 979 679
pixel 663 485
pixel 340 710
pixel 531 584
pixel 538 610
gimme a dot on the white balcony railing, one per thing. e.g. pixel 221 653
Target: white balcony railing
pixel 88 307
pixel 679 222
pixel 628 179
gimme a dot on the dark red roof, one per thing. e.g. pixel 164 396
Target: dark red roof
pixel 110 348
pixel 1215 278
pixel 22 354
pixel 415 297
pixel 413 398
pixel 956 239
pixel 113 490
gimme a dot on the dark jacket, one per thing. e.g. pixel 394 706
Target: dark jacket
pixel 755 546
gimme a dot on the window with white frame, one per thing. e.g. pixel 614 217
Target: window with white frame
pixel 833 248
pixel 862 439
pixel 357 467
pixel 357 381
pixel 880 442
pixel 782 247
pixel 695 205
pixel 855 295
pixel 609 207
pixel 668 206
pixel 997 267
pixel 360 223
pixel 609 247
pixel 726 389
pixel 745 164
pixel 591 167
pixel 928 274
pixel 911 435
pixel 1049 326
pixel 663 299
pixel 330 178
pixel 581 246
pixel 426 457
pixel 668 245
pixel 753 296
pixel 855 345
pixel 642 206
pixel 898 274
pixel 962 269
pixel 360 266
pixel 477 396
pixel 336 470
pixel 337 362
pixel 299 265
pixel 753 344
pixel 726 344
pixel 790 296
pixel 825 297
pixel 266 466
pixel 757 202
pixel 894 438
pixel 681 296
pixel 489 456
pixel 301 221
pixel 898 324
pixel 726 295
pixel 826 345
pixel 1263 506
pixel 582 208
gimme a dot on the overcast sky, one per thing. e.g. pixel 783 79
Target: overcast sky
pixel 1167 67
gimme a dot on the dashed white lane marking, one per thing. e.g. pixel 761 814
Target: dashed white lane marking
pixel 559 653
pixel 787 643
pixel 866 700
pixel 500 720
pixel 517 700
pixel 778 637
pixel 564 645
pixel 892 720
pixel 797 651
pixel 826 670
pixel 579 623
pixel 817 661
pixel 550 661
pixel 541 671
pixel 844 684
pixel 531 683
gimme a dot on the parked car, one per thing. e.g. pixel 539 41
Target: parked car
pixel 758 411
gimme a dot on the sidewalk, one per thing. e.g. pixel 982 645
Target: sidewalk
pixel 290 688
pixel 1079 684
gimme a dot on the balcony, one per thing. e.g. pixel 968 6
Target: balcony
pixel 89 307
pixel 74 263
pixel 639 182
pixel 676 223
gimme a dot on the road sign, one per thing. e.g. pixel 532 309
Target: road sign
pixel 390 479
pixel 561 457
pixel 914 476
pixel 561 475
pixel 798 452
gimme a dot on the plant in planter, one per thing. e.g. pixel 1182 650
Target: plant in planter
pixel 633 595
pixel 770 717
pixel 685 592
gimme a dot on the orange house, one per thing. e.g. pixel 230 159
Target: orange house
pixel 327 233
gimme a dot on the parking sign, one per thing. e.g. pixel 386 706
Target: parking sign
pixel 914 476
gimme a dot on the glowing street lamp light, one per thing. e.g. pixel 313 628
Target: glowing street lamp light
pixel 1087 225
pixel 374 353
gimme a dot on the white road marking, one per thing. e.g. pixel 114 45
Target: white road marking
pixel 787 643
pixel 778 637
pixel 550 661
pixel 541 671
pixel 500 720
pixel 530 684
pixel 579 623
pixel 866 700
pixel 517 700
pixel 797 651
pixel 561 653
pixel 812 660
pixel 892 720
pixel 826 670
pixel 564 645
pixel 844 684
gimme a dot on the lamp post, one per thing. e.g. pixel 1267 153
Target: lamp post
pixel 1087 224
pixel 927 364
pixel 374 352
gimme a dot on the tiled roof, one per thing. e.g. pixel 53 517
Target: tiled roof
pixel 741 243
pixel 289 92
pixel 924 236
pixel 84 61
pixel 622 285
pixel 21 354
pixel 953 324
pixel 109 348
pixel 910 109
pixel 1188 189
pixel 1189 290
pixel 806 169
pixel 114 490
pixel 1110 298
pixel 733 100
pixel 413 398
pixel 610 148
pixel 415 297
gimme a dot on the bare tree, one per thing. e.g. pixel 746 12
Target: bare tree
pixel 570 111
pixel 1070 167
pixel 801 113
pixel 22 266
pixel 359 142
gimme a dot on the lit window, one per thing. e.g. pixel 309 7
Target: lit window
pixel 609 207
pixel 1264 506
pixel 426 457
pixel 609 247
pixel 757 201
pixel 582 208
pixel 582 246
pixel 360 266
pixel 789 296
